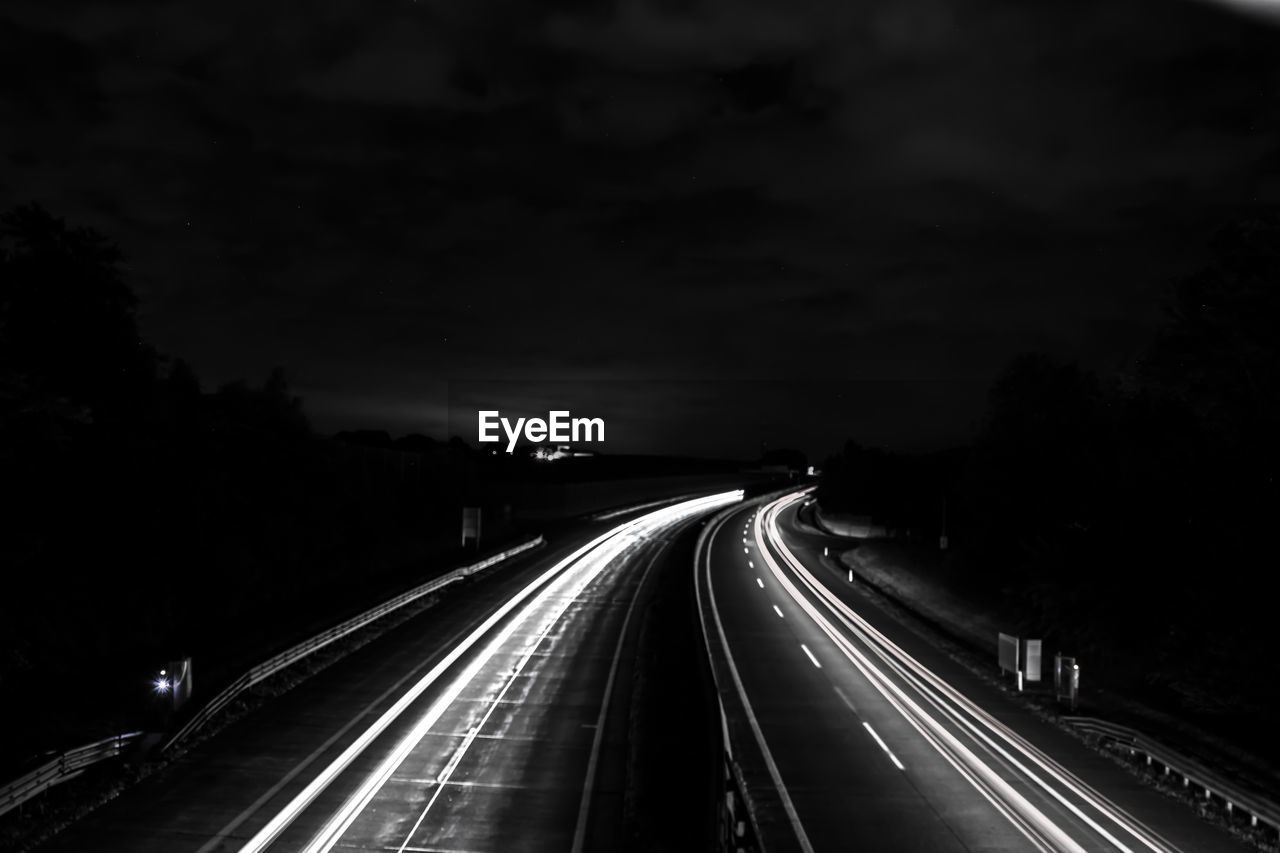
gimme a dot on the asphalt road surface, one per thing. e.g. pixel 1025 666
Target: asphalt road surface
pixel 852 732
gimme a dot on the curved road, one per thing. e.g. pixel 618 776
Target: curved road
pixel 497 723
pixel 853 732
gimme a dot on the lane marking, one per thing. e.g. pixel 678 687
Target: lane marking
pixel 760 583
pixel 776 610
pixel 811 657
pixel 889 752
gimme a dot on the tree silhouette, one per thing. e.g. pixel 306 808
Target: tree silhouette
pixel 69 345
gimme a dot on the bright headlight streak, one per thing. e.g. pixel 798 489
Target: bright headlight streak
pixel 895 657
pixel 289 813
pixel 577 577
pixel 356 803
pixel 892 655
pixel 960 720
pixel 286 815
pixel 603 557
pixel 918 716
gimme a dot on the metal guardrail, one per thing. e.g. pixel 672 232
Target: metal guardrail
pixel 289 657
pixel 1192 771
pixel 66 766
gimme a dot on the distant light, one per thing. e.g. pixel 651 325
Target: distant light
pixel 162 684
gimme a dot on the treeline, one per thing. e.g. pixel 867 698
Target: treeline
pixel 1130 517
pixel 149 518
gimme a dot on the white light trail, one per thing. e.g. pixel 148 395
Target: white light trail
pixel 940 695
pixel 579 568
pixel 973 769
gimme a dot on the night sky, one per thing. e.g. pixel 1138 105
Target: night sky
pixel 716 224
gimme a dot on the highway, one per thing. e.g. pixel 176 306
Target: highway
pixel 851 731
pixel 497 723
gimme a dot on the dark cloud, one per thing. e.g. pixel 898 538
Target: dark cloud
pixel 387 198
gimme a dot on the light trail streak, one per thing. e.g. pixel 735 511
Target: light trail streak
pixel 443 778
pixel 1032 822
pixel 954 705
pixel 566 578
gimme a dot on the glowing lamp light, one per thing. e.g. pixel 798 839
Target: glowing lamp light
pixel 162 684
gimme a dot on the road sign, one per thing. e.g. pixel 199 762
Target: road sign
pixel 1066 679
pixel 1008 653
pixel 1032 662
pixel 470 525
